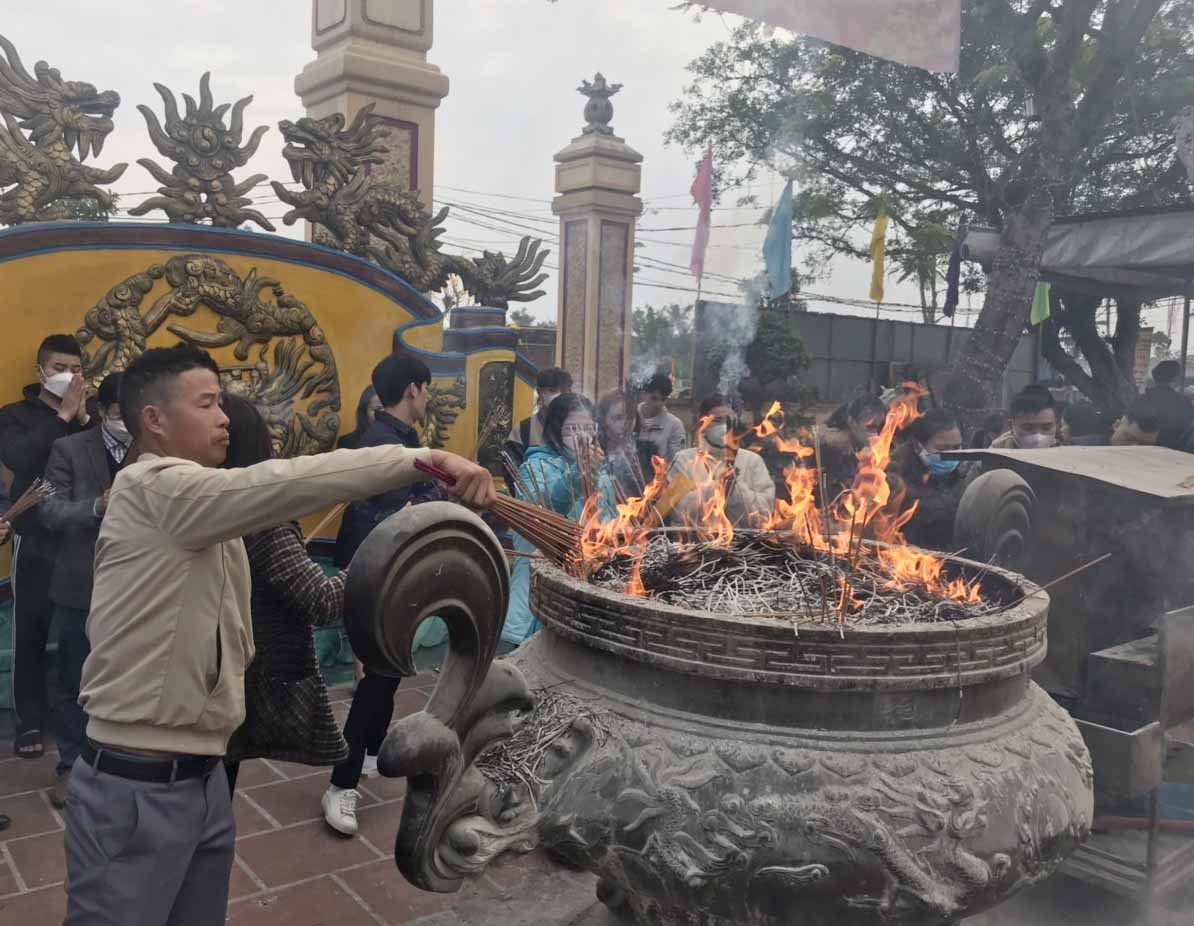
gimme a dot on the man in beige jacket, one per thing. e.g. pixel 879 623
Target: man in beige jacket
pixel 750 491
pixel 149 826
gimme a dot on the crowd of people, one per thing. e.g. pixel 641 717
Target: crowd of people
pixel 166 686
pixel 185 599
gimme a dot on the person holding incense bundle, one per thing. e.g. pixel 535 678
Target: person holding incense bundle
pixel 288 714
pixel 556 475
pixel 617 430
pixel 53 407
pixel 748 486
pixel 402 383
pixel 933 484
pixel 848 431
pixel 149 823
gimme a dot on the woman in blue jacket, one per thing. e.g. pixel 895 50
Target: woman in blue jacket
pixel 551 474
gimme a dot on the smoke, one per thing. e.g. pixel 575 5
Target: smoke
pixel 644 365
pixel 728 329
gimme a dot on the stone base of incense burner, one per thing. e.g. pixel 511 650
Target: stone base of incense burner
pixel 913 784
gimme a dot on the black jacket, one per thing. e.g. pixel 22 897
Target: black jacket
pixel 81 469
pixel 1176 414
pixel 361 517
pixel 28 430
pixel 937 498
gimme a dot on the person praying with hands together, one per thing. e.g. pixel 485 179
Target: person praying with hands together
pixel 55 406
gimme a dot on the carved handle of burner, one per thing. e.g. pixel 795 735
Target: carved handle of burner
pixel 994 520
pixel 437 560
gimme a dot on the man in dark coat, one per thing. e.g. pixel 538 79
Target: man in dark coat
pixel 1173 408
pixel 402 382
pixel 82 468
pixel 55 406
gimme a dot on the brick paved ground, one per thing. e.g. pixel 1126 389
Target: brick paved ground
pixel 292 871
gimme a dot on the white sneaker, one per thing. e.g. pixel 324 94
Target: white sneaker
pixel 369 769
pixel 340 809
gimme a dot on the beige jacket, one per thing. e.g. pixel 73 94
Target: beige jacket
pixel 752 496
pixel 169 626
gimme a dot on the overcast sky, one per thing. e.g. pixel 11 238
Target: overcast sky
pixel 514 66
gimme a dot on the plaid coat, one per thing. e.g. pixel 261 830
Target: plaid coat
pixel 288 715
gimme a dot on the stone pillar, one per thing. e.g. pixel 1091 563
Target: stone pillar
pixel 375 51
pixel 598 177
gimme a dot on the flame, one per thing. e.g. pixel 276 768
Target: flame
pixel 711 478
pixel 635 587
pixel 630 529
pixel 868 509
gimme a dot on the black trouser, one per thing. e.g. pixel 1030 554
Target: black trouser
pixel 368 720
pixel 232 770
pixel 32 567
pixel 71 723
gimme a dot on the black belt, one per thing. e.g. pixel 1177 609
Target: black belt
pixel 147 768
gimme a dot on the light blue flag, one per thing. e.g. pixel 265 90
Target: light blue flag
pixel 777 249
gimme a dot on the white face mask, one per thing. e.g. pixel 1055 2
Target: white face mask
pixel 715 436
pixel 58 383
pixel 115 427
pixel 1036 441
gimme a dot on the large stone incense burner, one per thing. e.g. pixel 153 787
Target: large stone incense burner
pixel 721 769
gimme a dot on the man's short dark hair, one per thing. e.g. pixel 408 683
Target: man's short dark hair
pixel 660 384
pixel 1086 420
pixel 710 402
pixel 932 423
pixel 109 391
pixel 1166 372
pixel 1145 413
pixel 59 344
pixel 146 379
pixel 393 375
pixel 554 379
pixel 1031 400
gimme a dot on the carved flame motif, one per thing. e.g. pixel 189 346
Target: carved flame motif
pixel 61 117
pixel 251 312
pixel 205 152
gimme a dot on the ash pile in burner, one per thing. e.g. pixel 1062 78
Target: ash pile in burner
pixel 761 575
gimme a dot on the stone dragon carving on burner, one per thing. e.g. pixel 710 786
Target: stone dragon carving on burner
pixel 774 834
pixel 356 213
pixel 60 117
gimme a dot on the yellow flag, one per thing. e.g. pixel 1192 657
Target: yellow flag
pixel 878 254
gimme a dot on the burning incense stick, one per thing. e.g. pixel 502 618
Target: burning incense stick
pixel 327 519
pixel 555 536
pixel 33 496
pixel 1068 575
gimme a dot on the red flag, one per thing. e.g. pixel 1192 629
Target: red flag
pixel 702 195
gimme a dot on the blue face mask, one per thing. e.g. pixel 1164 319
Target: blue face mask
pixel 936 465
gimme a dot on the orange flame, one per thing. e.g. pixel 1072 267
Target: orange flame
pixel 635 587
pixel 711 477
pixel 868 509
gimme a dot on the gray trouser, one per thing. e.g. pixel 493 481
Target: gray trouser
pixel 147 854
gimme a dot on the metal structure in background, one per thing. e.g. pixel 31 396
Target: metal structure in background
pixel 1121 637
pixel 1140 255
pixel 849 353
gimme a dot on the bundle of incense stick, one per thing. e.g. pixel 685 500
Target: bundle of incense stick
pixel 554 535
pixel 37 493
